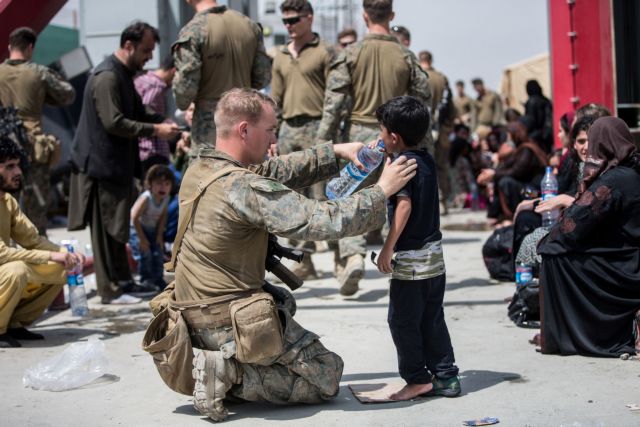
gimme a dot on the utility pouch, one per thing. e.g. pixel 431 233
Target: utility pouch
pixel 46 149
pixel 257 330
pixel 167 340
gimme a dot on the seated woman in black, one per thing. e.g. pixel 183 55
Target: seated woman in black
pixel 590 273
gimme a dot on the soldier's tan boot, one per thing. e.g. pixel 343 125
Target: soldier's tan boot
pixel 305 270
pixel 351 275
pixel 214 376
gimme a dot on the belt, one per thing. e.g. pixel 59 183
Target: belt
pixel 298 121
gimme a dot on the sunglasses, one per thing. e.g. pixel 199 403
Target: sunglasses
pixel 291 20
pixel 345 44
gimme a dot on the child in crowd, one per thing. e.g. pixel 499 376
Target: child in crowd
pixel 416 316
pixel 148 219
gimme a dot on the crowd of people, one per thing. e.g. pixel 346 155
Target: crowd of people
pixel 205 191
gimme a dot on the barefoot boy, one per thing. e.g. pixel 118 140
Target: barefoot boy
pixel 416 316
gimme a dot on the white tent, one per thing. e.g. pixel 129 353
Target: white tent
pixel 515 76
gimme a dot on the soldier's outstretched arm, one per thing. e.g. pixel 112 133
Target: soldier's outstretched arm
pixel 186 54
pixel 59 91
pixel 261 69
pixel 335 97
pixel 268 204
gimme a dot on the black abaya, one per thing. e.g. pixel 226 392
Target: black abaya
pixel 590 274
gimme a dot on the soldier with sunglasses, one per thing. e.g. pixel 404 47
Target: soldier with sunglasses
pixel 299 74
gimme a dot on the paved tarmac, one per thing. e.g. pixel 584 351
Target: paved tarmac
pixel 502 375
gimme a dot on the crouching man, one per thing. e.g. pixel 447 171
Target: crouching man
pixel 220 261
pixel 30 276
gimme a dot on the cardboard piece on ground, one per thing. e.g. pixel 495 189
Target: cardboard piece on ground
pixel 376 393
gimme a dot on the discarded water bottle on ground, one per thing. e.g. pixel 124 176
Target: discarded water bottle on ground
pixel 77 294
pixel 549 189
pixel 351 177
pixel 524 274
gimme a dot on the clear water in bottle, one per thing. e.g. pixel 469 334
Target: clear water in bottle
pixel 351 177
pixel 77 294
pixel 549 190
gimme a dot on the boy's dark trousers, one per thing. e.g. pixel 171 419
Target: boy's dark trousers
pixel 419 331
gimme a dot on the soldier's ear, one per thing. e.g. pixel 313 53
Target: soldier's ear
pixel 242 128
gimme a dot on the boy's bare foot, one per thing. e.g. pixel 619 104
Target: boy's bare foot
pixel 411 391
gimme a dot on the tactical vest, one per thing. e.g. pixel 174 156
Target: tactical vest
pixel 22 87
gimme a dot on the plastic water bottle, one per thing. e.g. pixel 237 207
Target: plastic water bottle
pixel 524 274
pixel 351 177
pixel 77 294
pixel 549 187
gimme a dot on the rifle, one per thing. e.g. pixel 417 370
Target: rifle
pixel 275 252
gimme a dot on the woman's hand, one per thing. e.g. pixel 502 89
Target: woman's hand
pixel 486 176
pixel 561 201
pixel 525 205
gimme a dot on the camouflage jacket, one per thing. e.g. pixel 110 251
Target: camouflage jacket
pixel 341 92
pixel 210 56
pixel 225 245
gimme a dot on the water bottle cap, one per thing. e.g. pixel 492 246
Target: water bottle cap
pixel 549 169
pixel 380 143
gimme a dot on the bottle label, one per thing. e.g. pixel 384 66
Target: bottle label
pixel 72 280
pixel 355 173
pixel 547 194
pixel 524 275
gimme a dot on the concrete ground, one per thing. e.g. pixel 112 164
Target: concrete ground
pixel 502 375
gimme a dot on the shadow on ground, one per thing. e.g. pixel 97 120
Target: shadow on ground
pixel 109 323
pixel 472 381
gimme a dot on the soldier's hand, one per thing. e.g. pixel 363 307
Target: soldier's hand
pixel 68 260
pixel 349 151
pixel 396 174
pixel 165 130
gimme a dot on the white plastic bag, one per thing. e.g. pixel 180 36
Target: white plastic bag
pixel 78 365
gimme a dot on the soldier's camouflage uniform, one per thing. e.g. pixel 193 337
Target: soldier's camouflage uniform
pixel 385 83
pixel 225 244
pixel 27 86
pixel 218 50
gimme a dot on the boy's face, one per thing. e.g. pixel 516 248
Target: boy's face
pixel 160 188
pixel 391 143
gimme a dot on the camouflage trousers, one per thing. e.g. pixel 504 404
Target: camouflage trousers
pixel 354 245
pixel 203 128
pixel 441 157
pixel 298 135
pixel 306 372
pixel 35 195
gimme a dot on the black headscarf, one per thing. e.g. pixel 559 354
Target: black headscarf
pixel 610 145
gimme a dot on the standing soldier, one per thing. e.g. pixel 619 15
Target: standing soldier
pixel 444 114
pixel 365 75
pixel 28 86
pixel 217 50
pixel 463 103
pixel 488 107
pixel 299 74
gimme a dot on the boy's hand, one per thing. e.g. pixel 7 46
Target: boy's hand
pixel 384 260
pixel 144 245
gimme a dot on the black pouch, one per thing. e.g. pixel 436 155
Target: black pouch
pixel 525 305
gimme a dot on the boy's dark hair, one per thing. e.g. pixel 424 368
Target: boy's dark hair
pixel 21 38
pixel 378 11
pixel 298 6
pixel 159 173
pixel 168 63
pixel 406 116
pixel 9 150
pixel 582 124
pixel 135 32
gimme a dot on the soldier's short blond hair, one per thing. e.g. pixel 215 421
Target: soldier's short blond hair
pixel 237 105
